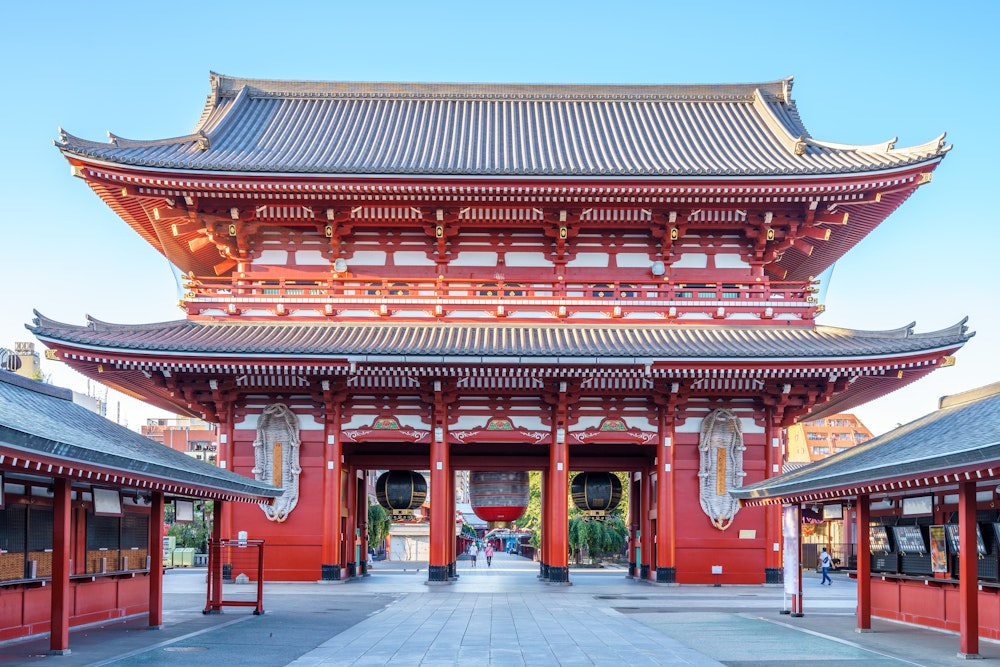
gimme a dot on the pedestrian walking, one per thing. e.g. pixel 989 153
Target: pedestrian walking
pixel 474 553
pixel 825 562
pixel 488 552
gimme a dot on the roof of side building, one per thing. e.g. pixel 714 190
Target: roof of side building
pixel 39 421
pixel 962 435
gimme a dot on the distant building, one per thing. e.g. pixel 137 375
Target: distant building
pixel 194 437
pixel 30 363
pixel 819 438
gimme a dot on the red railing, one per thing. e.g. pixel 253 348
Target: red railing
pixel 331 296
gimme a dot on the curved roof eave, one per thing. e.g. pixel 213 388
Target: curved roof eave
pixel 381 341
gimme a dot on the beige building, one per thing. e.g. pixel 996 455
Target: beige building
pixel 817 439
pixel 194 437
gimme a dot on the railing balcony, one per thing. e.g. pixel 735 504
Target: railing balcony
pixel 654 299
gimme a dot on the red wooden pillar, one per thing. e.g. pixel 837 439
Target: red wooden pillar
pixel 226 453
pixel 452 547
pixel 773 538
pixel 60 607
pixel 968 575
pixel 543 544
pixel 634 508
pixel 215 558
pixel 363 521
pixel 558 558
pixel 666 573
pixel 440 465
pixel 864 565
pixel 331 564
pixel 646 524
pixel 155 551
pixel 350 538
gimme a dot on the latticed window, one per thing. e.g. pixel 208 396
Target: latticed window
pixel 39 542
pixel 103 540
pixel 13 531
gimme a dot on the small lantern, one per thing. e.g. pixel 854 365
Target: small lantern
pixel 401 492
pixel 596 493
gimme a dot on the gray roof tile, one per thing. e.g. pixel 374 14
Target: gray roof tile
pixel 958 436
pixel 336 128
pixel 38 419
pixel 670 342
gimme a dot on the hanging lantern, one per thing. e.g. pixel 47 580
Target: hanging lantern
pixel 401 492
pixel 9 361
pixel 596 493
pixel 498 496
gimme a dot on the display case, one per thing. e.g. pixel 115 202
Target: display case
pixel 909 540
pixel 986 566
pixel 883 558
pixel 913 555
pixel 951 531
pixel 878 538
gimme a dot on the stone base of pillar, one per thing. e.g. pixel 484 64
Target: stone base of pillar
pixel 364 569
pixel 631 571
pixel 559 575
pixel 352 570
pixel 774 575
pixel 644 572
pixel 543 570
pixel 666 575
pixel 453 571
pixel 437 574
pixel 330 572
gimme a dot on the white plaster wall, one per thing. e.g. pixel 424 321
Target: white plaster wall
pixel 367 258
pixel 272 258
pixel 411 258
pixel 526 259
pixel 474 259
pixel 730 261
pixel 633 260
pixel 310 258
pixel 590 259
pixel 691 261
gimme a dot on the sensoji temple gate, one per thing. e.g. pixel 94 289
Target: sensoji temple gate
pixel 490 277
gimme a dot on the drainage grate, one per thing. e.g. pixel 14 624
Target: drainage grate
pixel 185 649
pixel 621 597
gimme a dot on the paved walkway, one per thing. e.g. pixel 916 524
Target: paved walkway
pixel 502 615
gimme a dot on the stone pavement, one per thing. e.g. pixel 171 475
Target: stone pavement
pixel 502 615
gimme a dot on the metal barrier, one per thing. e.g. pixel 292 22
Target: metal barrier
pixel 235 562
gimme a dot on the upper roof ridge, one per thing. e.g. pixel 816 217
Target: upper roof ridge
pixel 227 86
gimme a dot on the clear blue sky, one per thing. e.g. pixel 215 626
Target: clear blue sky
pixel 864 72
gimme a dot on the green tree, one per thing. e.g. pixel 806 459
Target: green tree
pixel 195 534
pixel 590 538
pixel 378 525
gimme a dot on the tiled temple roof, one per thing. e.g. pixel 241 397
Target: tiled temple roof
pixel 963 434
pixel 374 340
pixel 37 419
pixel 442 129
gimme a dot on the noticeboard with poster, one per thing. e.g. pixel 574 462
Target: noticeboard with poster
pixel 909 540
pixel 951 530
pixel 939 550
pixel 878 540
